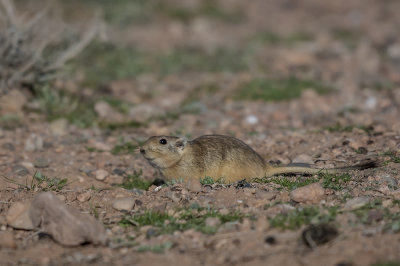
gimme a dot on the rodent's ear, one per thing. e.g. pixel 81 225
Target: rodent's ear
pixel 181 143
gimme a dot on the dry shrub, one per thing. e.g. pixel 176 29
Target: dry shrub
pixel 35 45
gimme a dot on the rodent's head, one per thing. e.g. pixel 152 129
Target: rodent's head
pixel 163 151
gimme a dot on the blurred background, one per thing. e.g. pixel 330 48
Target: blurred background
pixel 200 66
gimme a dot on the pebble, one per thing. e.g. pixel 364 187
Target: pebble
pixel 83 197
pixel 212 221
pixel 118 171
pixel 194 185
pixel 390 181
pixel 356 203
pixel 34 143
pixel 18 216
pixel 7 240
pixel 8 146
pixel 303 158
pixel 123 204
pixel 143 112
pixel 264 194
pixel 310 193
pixel 41 162
pixel 251 119
pixel 101 174
pixel 59 127
pixel 20 170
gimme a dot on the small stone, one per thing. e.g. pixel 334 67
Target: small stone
pixel 390 181
pixel 18 216
pixel 83 197
pixel 123 204
pixel 212 222
pixel 265 195
pixel 310 193
pixel 107 113
pixel 374 216
pixel 8 146
pixel 34 143
pixel 101 174
pixel 143 112
pixel 356 203
pixel 59 127
pixel 303 158
pixel 224 211
pixel 151 232
pixel 251 119
pixel 7 240
pixel 20 170
pixel 118 171
pixel 315 235
pixel 42 162
pixel 61 197
pixel 86 169
pixel 194 185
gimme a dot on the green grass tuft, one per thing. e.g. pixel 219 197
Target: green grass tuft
pixel 134 181
pixel 191 218
pixel 299 217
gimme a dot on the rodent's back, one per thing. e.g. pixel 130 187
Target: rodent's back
pixel 224 156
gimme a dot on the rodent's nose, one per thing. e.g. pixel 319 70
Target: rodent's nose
pixel 142 151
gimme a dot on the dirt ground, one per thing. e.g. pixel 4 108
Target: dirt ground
pixel 305 81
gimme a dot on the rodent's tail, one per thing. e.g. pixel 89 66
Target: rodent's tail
pixel 271 171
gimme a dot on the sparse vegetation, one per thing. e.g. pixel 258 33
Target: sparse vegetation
pixel 135 181
pixel 278 89
pixel 192 218
pixel 308 215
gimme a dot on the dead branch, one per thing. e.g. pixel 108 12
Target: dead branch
pixel 25 59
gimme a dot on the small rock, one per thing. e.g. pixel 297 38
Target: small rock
pixel 18 216
pixel 374 216
pixel 8 146
pixel 20 170
pixel 212 221
pixel 61 197
pixel 65 224
pixel 123 204
pixel 390 181
pixel 310 193
pixel 118 171
pixel 303 158
pixel 315 235
pixel 34 143
pixel 101 174
pixel 41 162
pixel 194 185
pixel 59 127
pixel 143 112
pixel 83 197
pixel 265 195
pixel 356 203
pixel 86 169
pixel 251 119
pixel 151 232
pixel 7 240
pixel 107 113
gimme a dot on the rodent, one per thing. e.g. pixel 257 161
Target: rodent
pixel 216 156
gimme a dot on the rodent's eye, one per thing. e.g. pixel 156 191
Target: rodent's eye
pixel 163 141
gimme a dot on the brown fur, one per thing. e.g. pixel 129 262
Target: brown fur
pixel 215 156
